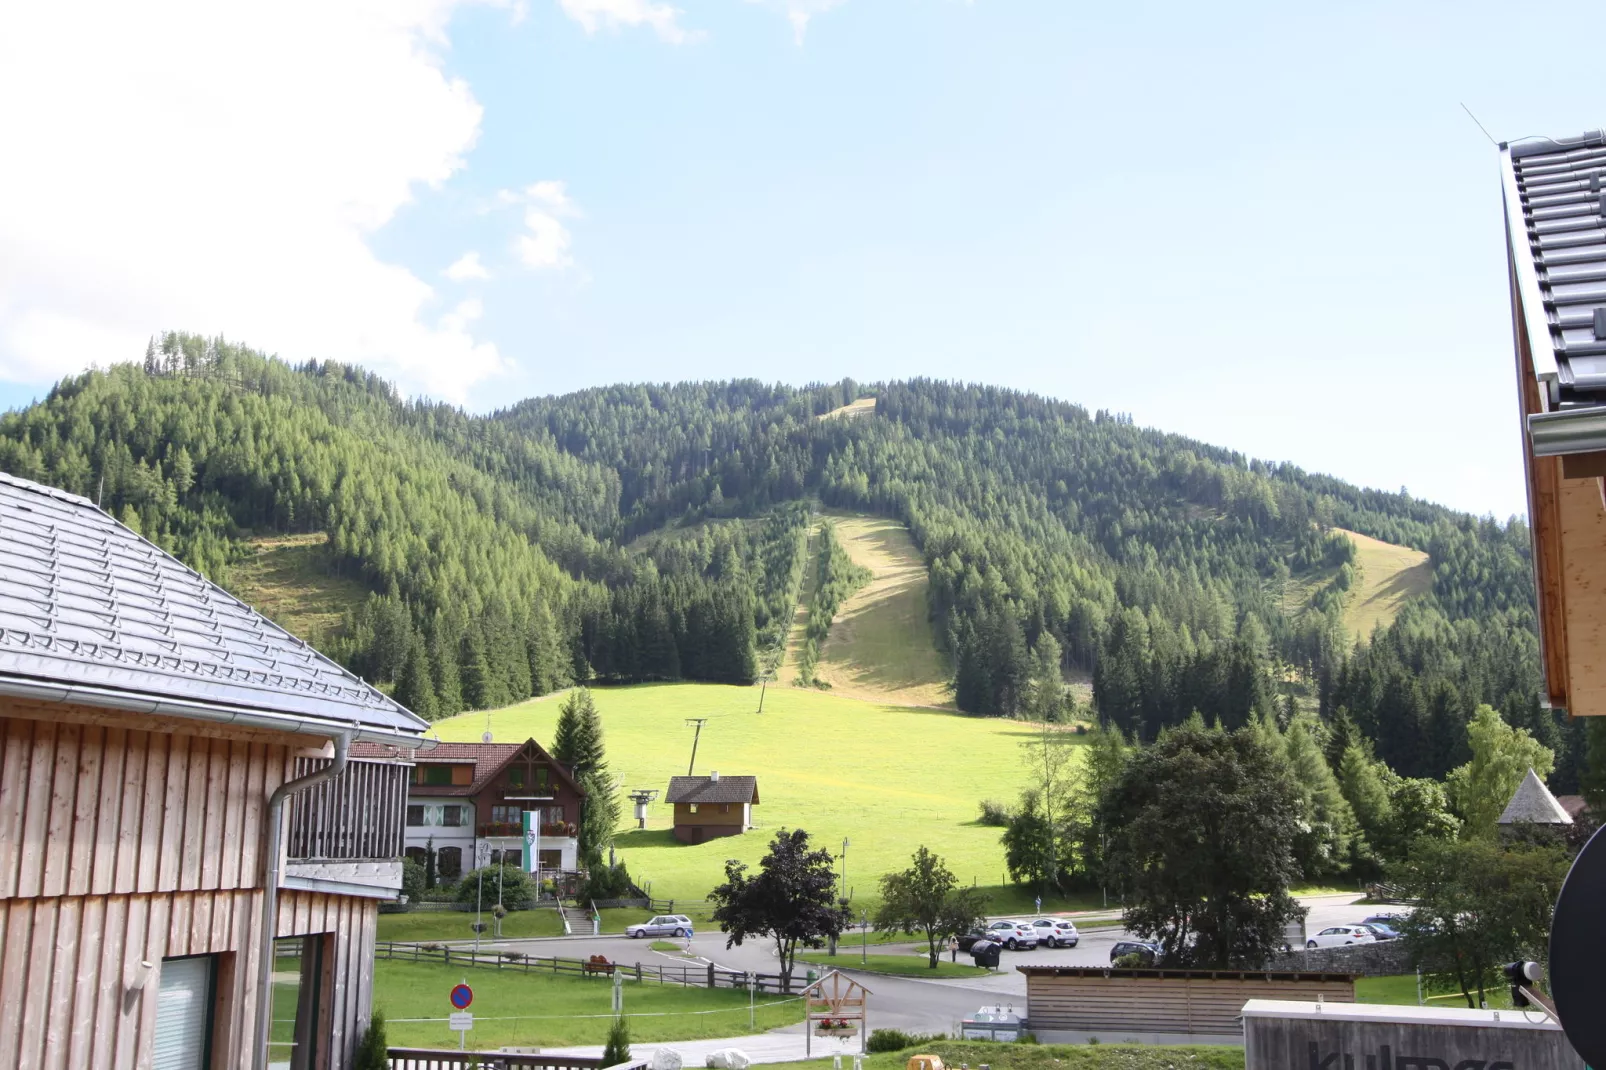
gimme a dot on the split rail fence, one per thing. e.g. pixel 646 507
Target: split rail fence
pixel 687 975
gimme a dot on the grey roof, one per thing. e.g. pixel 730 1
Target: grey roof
pixel 1555 194
pixel 86 603
pixel 702 789
pixel 1533 802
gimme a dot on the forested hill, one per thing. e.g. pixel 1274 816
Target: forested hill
pixel 494 546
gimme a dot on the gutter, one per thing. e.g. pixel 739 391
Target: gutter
pixel 114 698
pixel 273 849
pixel 1581 430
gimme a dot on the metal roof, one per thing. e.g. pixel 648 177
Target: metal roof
pixel 706 789
pixel 1389 1013
pixel 92 612
pixel 1533 802
pixel 1555 195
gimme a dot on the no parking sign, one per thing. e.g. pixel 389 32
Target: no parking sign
pixel 462 996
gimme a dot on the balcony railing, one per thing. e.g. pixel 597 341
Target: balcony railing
pixel 513 828
pixel 356 817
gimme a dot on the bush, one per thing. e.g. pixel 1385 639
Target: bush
pixel 618 1049
pixel 517 888
pixel 994 813
pixel 1130 961
pixel 884 1040
pixel 412 880
pixel 607 882
pixel 372 1050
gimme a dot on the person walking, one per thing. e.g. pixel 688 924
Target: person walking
pixel 953 949
pixel 1039 902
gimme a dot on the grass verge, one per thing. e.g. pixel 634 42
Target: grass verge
pixel 530 1009
pixel 898 965
pixel 454 925
pixel 1061 1056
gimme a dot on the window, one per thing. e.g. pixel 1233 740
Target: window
pixel 692 807
pixel 510 815
pixel 552 813
pixel 515 776
pixel 510 857
pixel 434 775
pixel 452 817
pixel 436 815
pixel 551 859
pixel 297 971
pixel 724 808
pixel 415 816
pixel 417 854
pixel 184 998
pixel 449 861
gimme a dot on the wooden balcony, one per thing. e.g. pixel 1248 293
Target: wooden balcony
pixel 346 835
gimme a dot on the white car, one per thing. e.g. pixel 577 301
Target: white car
pixel 662 925
pixel 1339 935
pixel 1015 935
pixel 1056 932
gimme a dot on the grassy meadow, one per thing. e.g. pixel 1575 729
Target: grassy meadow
pixel 886 778
pixel 287 578
pixel 1390 576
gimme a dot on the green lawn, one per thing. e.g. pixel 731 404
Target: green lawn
pixel 546 1011
pixel 902 965
pixel 1401 989
pixel 886 778
pixel 1060 1056
pixel 454 925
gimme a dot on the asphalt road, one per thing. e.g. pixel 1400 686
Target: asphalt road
pixel 911 1004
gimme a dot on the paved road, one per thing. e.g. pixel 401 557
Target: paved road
pixel 911 1004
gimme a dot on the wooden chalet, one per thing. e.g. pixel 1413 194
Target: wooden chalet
pixel 1555 205
pixel 185 837
pixel 707 807
pixel 466 802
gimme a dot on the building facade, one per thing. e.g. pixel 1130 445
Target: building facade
pixel 184 837
pixel 708 807
pixel 466 801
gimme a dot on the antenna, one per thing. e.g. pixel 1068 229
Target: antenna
pixel 1485 130
pixel 697 723
pixel 486 736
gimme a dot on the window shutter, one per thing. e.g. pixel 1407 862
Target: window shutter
pixel 183 1012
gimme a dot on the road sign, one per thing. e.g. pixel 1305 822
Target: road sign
pixel 462 1021
pixel 462 996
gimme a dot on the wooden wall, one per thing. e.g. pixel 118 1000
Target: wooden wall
pixel 1137 1001
pixel 118 844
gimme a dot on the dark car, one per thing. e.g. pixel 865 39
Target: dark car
pixel 1146 953
pixel 968 940
pixel 1385 926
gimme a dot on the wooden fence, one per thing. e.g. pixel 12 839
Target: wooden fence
pixel 687 975
pixel 441 1059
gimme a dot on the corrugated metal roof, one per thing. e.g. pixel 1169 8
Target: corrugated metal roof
pixel 86 602
pixel 1533 802
pixel 702 789
pixel 1556 222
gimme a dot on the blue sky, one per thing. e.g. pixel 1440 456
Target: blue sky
pixel 1268 226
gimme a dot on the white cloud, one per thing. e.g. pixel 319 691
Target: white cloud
pixel 220 168
pixel 545 242
pixel 618 14
pixel 799 12
pixel 467 267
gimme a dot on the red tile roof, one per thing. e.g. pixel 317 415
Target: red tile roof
pixel 488 760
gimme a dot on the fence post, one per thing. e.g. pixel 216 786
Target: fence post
pixel 446 954
pixel 638 973
pixel 710 975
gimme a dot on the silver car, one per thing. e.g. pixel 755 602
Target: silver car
pixel 662 925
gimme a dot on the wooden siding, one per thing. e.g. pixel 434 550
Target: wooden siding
pixel 92 809
pixel 1582 534
pixel 67 962
pixel 1160 1002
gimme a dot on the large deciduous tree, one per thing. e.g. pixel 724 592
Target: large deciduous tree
pixel 791 899
pixel 927 898
pixel 1501 757
pixel 1202 828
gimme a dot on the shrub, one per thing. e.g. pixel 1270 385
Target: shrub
pixel 517 888
pixel 372 1050
pixel 994 812
pixel 1130 961
pixel 884 1040
pixel 607 882
pixel 412 880
pixel 618 1048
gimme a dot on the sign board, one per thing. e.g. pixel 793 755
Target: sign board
pixel 461 997
pixel 461 1021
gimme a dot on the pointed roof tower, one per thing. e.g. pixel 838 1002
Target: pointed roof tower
pixel 1533 802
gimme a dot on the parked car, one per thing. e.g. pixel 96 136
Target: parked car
pixel 1386 926
pixel 1015 935
pixel 1056 932
pixel 662 925
pixel 1147 953
pixel 1339 935
pixel 968 940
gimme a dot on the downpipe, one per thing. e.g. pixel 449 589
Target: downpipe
pixel 270 887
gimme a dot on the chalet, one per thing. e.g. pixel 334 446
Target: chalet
pixel 185 837
pixel 466 802
pixel 710 806
pixel 1555 195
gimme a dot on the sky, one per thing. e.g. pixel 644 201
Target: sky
pixel 1271 227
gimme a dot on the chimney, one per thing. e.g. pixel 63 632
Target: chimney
pixel 713 777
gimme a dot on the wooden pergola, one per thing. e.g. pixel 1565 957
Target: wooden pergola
pixel 836 998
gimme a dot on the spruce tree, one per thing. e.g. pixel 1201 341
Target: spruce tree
pixel 443 646
pixel 577 740
pixel 414 688
pixel 474 669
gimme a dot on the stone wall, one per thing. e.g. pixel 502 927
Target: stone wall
pixel 1369 960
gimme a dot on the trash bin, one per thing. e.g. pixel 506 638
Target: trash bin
pixel 986 953
pixel 812 976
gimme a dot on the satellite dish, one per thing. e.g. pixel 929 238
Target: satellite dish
pixel 1578 952
pixel 486 736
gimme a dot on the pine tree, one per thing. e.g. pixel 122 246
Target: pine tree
pixel 1048 686
pixel 479 689
pixel 599 817
pixel 577 740
pixel 443 647
pixel 414 688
